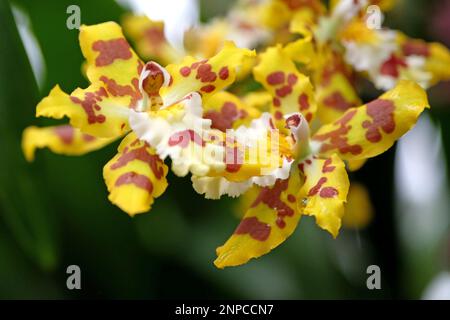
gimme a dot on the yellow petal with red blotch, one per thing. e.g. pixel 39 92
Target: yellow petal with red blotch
pixel 324 192
pixel 227 111
pixel 436 56
pixel 151 42
pixel 206 76
pixel 291 90
pixel 371 129
pixel 271 219
pixel 93 110
pixel 135 176
pixel 110 59
pixel 334 83
pixel 358 210
pixel 62 139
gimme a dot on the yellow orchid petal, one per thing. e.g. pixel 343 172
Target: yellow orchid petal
pixel 227 111
pixel 114 69
pixel 109 57
pixel 335 91
pixel 286 9
pixel 206 40
pixel 324 192
pixel 436 56
pixel 358 210
pixel 150 40
pixel 92 110
pixel 207 76
pixel 354 165
pixel 371 129
pixel 271 219
pixel 291 91
pixel 62 139
pixel 135 176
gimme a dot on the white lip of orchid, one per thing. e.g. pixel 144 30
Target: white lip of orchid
pixel 216 187
pixel 369 57
pixel 415 70
pixel 157 131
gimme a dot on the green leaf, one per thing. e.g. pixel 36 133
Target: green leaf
pixel 21 202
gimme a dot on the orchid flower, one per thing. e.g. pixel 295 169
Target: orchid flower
pixel 160 112
pixel 318 183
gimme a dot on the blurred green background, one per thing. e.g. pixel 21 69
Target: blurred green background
pixel 55 213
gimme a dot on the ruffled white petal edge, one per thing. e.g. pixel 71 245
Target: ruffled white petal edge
pixel 216 187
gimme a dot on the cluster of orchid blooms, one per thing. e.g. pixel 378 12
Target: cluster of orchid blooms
pixel 289 142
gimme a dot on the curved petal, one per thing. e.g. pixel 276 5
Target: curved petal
pixel 271 219
pixel 62 139
pixel 291 91
pixel 151 42
pixel 371 129
pixel 335 90
pixel 92 110
pixel 206 76
pixel 135 176
pixel 113 68
pixel 109 56
pixel 435 56
pixel 324 192
pixel 227 111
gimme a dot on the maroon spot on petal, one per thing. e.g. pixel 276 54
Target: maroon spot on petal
pixel 283 91
pixel 87 137
pixel 209 88
pixel 291 198
pixel 292 79
pixel 138 180
pixel 111 50
pixel 224 73
pixel 327 166
pixel 205 74
pixel 141 154
pixel 303 101
pixel 275 78
pixel 185 71
pixel 276 102
pixel 315 190
pixel 271 197
pixel 65 133
pixel 328 192
pixel 256 229
pixel 382 113
pixel 117 90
